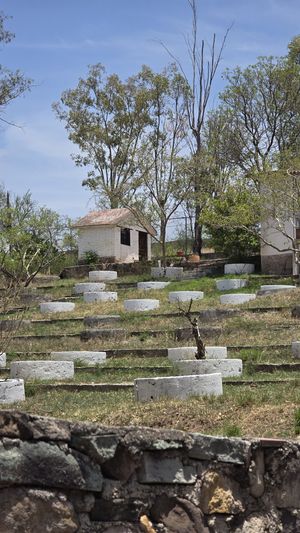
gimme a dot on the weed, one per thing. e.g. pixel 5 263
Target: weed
pixel 232 430
pixel 297 421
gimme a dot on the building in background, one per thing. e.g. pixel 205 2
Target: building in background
pixel 115 235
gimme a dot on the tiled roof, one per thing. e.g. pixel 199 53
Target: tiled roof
pixel 113 217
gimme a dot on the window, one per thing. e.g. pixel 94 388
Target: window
pixel 298 229
pixel 125 236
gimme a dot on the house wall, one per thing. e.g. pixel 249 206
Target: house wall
pixel 273 261
pixel 101 240
pixel 106 242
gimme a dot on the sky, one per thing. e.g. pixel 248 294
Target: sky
pixel 54 43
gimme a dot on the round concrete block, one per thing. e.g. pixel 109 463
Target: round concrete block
pixel 102 275
pixel 89 358
pixel 188 352
pixel 2 360
pixel 42 369
pixel 80 288
pixel 142 304
pixel 103 296
pixel 235 299
pixel 185 296
pixel 296 349
pixel 230 284
pixel 277 288
pixel 238 268
pixel 152 285
pixel 56 307
pixel 227 367
pixel 181 387
pixel 12 390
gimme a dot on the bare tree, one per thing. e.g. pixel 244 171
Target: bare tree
pixel 194 321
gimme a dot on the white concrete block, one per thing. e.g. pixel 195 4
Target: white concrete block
pixel 42 369
pixel 86 357
pixel 56 307
pixel 103 296
pixel 103 275
pixel 231 284
pixel 80 288
pixel 12 390
pixel 238 268
pixel 188 352
pixel 152 285
pixel 185 296
pixel 237 298
pixel 227 367
pixel 276 288
pixel 2 360
pixel 180 387
pixel 296 349
pixel 142 304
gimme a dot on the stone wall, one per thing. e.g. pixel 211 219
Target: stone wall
pixel 58 476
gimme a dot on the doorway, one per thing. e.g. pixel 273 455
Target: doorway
pixel 143 246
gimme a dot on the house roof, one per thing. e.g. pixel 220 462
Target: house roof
pixel 113 217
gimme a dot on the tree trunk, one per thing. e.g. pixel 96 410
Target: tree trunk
pixel 163 242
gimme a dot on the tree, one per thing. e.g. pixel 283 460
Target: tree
pixel 164 182
pixel 29 239
pixel 203 71
pixel 12 84
pixel 106 118
pixel 264 101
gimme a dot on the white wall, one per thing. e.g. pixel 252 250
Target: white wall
pixel 276 237
pixel 101 240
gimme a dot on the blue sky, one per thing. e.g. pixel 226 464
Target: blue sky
pixel 56 41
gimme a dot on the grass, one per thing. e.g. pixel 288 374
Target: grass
pixel 261 410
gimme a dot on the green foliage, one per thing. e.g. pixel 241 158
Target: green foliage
pixel 232 430
pixel 297 421
pixel 90 257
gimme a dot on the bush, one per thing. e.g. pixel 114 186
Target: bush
pixel 91 257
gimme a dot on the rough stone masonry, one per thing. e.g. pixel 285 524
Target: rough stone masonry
pixel 58 476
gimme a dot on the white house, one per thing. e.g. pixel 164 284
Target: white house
pixel 284 238
pixel 115 235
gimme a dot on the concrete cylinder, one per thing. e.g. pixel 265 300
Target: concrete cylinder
pixel 2 360
pixel 103 296
pixel 227 367
pixel 238 268
pixel 230 284
pixel 103 275
pixel 185 296
pixel 152 285
pixel 55 370
pixel 56 307
pixel 277 288
pixel 181 387
pixel 188 352
pixel 237 298
pixel 296 349
pixel 11 390
pixel 139 305
pixel 80 288
pixel 84 357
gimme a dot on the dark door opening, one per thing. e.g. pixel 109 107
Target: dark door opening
pixel 143 248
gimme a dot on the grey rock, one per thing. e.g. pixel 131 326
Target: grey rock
pixel 156 468
pixel 100 448
pixel 223 449
pixel 92 321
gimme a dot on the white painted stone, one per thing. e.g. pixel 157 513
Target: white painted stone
pixel 238 268
pixel 277 288
pixel 185 296
pixel 87 357
pixel 188 352
pixel 296 349
pixel 230 284
pixel 142 304
pixel 180 387
pixel 103 296
pixel 2 360
pixel 80 288
pixel 102 275
pixel 56 307
pixel 235 299
pixel 42 369
pixel 152 285
pixel 12 390
pixel 227 367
